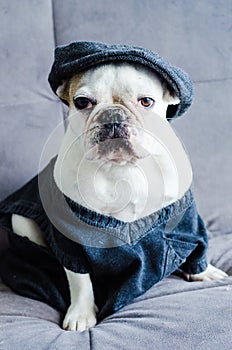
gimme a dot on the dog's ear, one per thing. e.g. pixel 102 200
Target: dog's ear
pixel 63 91
pixel 169 95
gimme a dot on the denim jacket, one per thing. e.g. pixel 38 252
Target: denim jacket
pixel 123 259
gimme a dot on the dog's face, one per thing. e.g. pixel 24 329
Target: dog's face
pixel 108 105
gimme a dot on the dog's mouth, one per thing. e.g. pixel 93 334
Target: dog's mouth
pixel 114 142
pixel 114 133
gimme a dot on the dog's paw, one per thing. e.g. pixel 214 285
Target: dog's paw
pixel 80 318
pixel 211 273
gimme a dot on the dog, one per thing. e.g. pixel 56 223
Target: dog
pixel 110 108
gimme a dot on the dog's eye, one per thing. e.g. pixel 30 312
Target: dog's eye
pixel 82 102
pixel 146 102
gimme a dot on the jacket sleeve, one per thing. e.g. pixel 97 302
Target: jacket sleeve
pixel 193 225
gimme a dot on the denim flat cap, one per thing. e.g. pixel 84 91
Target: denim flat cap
pixel 78 56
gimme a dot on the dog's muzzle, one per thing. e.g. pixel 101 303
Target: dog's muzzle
pixel 113 123
pixel 111 135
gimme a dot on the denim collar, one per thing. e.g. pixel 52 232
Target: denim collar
pixel 88 227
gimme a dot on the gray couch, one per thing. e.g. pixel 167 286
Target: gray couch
pixel 194 35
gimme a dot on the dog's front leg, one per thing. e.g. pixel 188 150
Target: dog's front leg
pixel 81 313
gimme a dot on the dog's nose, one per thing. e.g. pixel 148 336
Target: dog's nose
pixel 112 115
pixel 112 131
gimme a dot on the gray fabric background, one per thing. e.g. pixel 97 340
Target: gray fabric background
pixel 195 35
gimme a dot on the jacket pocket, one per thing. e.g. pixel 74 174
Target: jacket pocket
pixel 177 253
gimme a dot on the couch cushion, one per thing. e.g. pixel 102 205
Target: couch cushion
pixel 27 45
pixel 28 109
pixel 206 134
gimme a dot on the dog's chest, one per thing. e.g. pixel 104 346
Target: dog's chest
pixel 122 192
pixel 125 192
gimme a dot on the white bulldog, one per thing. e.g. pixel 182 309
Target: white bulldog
pixel 117 131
